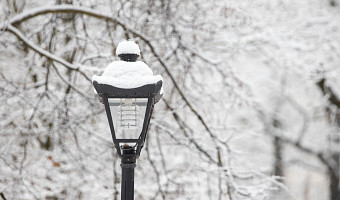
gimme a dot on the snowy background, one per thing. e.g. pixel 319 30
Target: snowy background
pixel 251 108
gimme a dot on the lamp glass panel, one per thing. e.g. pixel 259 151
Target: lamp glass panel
pixel 128 116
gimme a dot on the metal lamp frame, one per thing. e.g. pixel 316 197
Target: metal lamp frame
pixel 150 91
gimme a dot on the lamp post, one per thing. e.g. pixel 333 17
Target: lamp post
pixel 129 112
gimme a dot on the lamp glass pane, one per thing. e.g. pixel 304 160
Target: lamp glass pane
pixel 128 116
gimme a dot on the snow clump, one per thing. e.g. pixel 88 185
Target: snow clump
pixel 127 75
pixel 127 47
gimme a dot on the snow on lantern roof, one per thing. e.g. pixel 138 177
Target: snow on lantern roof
pixel 127 47
pixel 127 75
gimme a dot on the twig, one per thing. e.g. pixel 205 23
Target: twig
pixel 182 126
pixel 43 52
pixel 70 84
pixel 2 196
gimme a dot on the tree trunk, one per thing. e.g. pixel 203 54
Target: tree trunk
pixel 334 180
pixel 278 157
pixel 332 3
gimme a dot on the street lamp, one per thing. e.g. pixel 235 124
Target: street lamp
pixel 129 112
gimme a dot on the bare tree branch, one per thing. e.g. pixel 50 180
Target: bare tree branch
pixel 43 52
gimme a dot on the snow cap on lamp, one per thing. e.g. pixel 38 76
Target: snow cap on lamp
pixel 128 51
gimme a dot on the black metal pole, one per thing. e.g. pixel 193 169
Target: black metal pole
pixel 128 164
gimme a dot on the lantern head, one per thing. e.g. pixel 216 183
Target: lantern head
pixel 129 113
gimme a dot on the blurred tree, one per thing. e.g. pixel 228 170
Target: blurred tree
pixel 332 159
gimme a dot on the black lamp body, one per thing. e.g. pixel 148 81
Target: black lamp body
pixel 150 91
pixel 128 57
pixel 129 153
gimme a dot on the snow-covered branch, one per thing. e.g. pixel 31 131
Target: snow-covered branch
pixel 58 9
pixel 41 51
